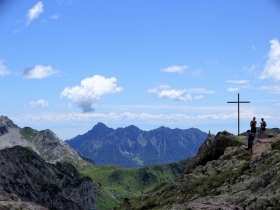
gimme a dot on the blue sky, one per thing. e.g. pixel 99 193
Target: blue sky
pixel 67 65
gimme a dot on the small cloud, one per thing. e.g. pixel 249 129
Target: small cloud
pixel 212 62
pixel 254 47
pixel 275 89
pixel 199 97
pixel 231 89
pixel 18 30
pixel 55 16
pixel 39 103
pixel 272 67
pixel 197 73
pixel 250 69
pixel 164 91
pixel 34 12
pixel 3 69
pixel 39 72
pixel 175 68
pixel 177 94
pixel 91 89
pixel 238 81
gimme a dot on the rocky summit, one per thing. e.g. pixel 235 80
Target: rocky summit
pixel 45 143
pixel 25 177
pixel 222 176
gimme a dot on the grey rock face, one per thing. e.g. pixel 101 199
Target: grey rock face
pixel 12 201
pixel 5 124
pixel 45 143
pixel 212 149
pixel 58 186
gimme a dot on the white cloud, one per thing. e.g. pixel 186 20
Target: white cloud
pixel 3 69
pixel 251 69
pixel 177 94
pixel 39 72
pixel 91 89
pixel 231 89
pixel 197 73
pixel 34 12
pixel 39 103
pixel 199 97
pixel 238 81
pixel 272 88
pixel 175 68
pixel 55 16
pixel 164 91
pixel 272 67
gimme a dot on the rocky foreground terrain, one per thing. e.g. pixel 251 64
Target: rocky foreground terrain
pixel 28 178
pixel 222 176
pixel 10 201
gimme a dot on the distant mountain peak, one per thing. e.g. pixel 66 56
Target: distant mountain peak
pixel 100 125
pixel 132 127
pixel 6 122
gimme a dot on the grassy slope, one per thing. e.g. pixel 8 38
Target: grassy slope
pixel 115 183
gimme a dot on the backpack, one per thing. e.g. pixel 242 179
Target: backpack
pixel 264 123
pixel 251 137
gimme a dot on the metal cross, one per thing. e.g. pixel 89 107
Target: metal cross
pixel 238 102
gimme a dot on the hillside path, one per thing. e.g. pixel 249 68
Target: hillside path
pixel 262 145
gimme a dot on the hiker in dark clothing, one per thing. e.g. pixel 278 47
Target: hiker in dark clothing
pixel 250 141
pixel 253 125
pixel 128 204
pixel 263 126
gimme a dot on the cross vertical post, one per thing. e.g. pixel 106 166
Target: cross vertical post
pixel 238 102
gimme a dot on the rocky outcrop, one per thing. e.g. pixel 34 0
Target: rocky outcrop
pixel 58 186
pixel 5 124
pixel 234 181
pixel 212 149
pixel 12 201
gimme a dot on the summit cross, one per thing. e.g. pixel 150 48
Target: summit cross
pixel 238 102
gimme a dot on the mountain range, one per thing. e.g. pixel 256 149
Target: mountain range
pixel 133 147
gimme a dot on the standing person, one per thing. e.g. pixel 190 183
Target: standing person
pixel 251 138
pixel 263 126
pixel 253 125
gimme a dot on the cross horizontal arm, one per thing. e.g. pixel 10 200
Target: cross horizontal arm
pixel 238 102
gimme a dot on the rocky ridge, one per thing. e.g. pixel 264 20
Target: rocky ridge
pixel 45 143
pixel 222 176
